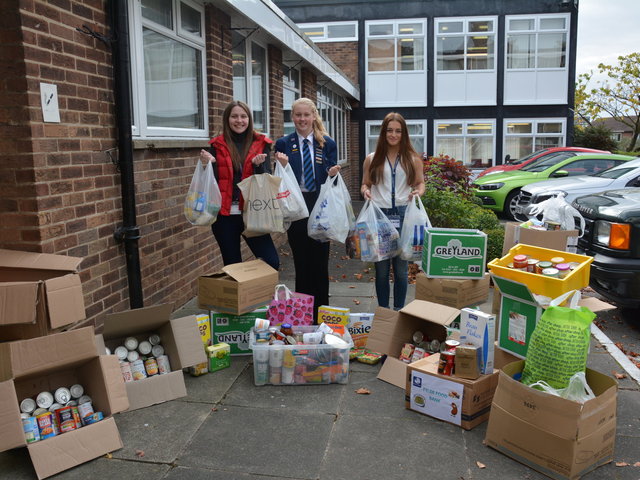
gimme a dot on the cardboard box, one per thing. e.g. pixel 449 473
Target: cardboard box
pixel 479 328
pixel 520 311
pixel 559 438
pixel 204 327
pixel 359 328
pixel 235 329
pixel 39 294
pixel 452 292
pixel 219 356
pixel 28 367
pixel 239 288
pixel 563 240
pixel 468 361
pixel 180 338
pixel 453 399
pixel 454 253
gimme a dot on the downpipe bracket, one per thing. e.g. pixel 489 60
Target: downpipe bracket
pixel 126 233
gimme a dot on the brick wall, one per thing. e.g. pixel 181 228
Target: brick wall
pixel 344 55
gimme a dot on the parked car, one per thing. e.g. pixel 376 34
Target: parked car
pixel 621 176
pixel 612 238
pixel 499 191
pixel 560 153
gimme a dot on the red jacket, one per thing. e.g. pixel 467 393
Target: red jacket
pixel 225 167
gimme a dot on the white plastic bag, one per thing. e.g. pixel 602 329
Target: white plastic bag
pixel 262 213
pixel 378 237
pixel 556 209
pixel 291 199
pixel 203 200
pixel 329 218
pixel 412 234
pixel 578 389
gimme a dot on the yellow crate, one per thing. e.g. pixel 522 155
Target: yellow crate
pixel 540 284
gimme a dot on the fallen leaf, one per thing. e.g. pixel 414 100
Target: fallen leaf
pixel 619 376
pixel 344 257
pixel 338 266
pixel 637 464
pixel 139 453
pixel 344 275
pixel 357 275
pixel 356 301
pixel 363 391
pixel 109 455
pixel 480 465
pixel 214 409
pixel 352 286
pixel 622 464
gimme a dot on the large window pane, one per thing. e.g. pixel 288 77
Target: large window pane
pixel 450 53
pixel 551 50
pixel 480 52
pixel 518 147
pixel 381 55
pixel 479 152
pixel 411 54
pixel 239 67
pixel 521 51
pixel 259 86
pixel 454 147
pixel 172 82
pixel 158 11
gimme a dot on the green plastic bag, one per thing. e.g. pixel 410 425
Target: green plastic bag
pixel 559 343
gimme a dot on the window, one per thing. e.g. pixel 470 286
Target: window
pixel 537 42
pixel 469 141
pixel 396 46
pixel 467 44
pixel 333 111
pixel 525 136
pixel 290 93
pixel 168 76
pixel 416 128
pixel 249 63
pixel 331 32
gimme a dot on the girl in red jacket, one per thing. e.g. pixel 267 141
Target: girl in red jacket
pixel 238 153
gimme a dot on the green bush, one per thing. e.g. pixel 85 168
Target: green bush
pixel 597 136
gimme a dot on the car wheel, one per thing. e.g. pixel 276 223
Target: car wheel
pixel 510 204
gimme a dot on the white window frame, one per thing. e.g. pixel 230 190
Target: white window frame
pixel 140 128
pixel 465 136
pixel 465 34
pixel 325 36
pixel 396 36
pixel 537 31
pixel 335 106
pixel 377 123
pixel 534 132
pixel 288 85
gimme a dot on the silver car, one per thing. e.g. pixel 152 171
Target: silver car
pixel 620 176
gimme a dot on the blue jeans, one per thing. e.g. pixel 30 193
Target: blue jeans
pixel 400 272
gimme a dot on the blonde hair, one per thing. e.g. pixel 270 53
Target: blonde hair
pixel 319 131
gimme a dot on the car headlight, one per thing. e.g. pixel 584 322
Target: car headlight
pixel 613 235
pixel 489 186
pixel 547 195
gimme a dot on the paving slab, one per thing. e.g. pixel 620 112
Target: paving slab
pixel 189 473
pixel 212 387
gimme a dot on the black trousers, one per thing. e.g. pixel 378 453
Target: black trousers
pixel 310 259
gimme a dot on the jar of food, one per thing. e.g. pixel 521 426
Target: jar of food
pixel 563 269
pixel 542 265
pixel 520 262
pixel 550 272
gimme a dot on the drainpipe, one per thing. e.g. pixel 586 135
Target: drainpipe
pixel 129 232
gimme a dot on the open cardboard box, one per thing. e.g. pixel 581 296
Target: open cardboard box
pixel 558 437
pixel 452 292
pixel 39 294
pixel 239 288
pixel 28 367
pixel 563 240
pixel 180 338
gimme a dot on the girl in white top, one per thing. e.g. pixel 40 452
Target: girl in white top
pixel 392 176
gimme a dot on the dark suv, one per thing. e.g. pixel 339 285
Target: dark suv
pixel 612 238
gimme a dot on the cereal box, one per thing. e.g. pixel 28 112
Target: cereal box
pixel 359 327
pixel 328 314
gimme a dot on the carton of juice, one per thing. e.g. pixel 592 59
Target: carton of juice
pixel 219 356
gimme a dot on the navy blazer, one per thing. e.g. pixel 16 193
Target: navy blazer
pixel 323 158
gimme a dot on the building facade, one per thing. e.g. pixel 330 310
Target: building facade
pixel 105 107
pixel 478 80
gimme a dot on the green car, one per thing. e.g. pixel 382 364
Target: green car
pixel 499 192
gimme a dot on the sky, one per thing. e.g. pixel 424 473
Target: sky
pixel 606 30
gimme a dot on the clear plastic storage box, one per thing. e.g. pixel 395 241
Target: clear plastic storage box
pixel 303 364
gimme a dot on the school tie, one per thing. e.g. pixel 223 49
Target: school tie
pixel 309 181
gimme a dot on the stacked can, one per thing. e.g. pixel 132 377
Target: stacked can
pixel 142 359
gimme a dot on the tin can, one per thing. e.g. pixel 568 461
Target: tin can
pixel 28 405
pixel 542 265
pixel 144 348
pixel 262 324
pixel 44 399
pixel 138 371
pixel 125 369
pixel 46 425
pixel 550 272
pixel 66 420
pixel 450 345
pixel 84 399
pixel 131 343
pixel 151 366
pixel 76 416
pixel 163 365
pixel 132 356
pixel 76 390
pixel 417 337
pixel 30 428
pixel 154 339
pixel 563 269
pixel 85 410
pixel 39 411
pixel 549 225
pixel 62 395
pixel 531 265
pixel 418 353
pixel 56 406
pixel 262 334
pixel 446 364
pixel 121 352
pixel 93 418
pixel 157 351
pixel 520 261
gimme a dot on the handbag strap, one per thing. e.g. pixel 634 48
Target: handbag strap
pixel 282 286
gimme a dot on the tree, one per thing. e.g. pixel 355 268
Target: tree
pixel 594 136
pixel 617 96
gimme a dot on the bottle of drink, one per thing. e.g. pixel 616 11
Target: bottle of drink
pixel 276 353
pixel 288 366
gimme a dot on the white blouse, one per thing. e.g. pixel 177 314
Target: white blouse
pixel 381 192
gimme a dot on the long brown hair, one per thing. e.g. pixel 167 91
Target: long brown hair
pixel 237 158
pixel 318 127
pixel 407 152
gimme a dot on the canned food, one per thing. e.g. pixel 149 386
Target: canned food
pixel 144 347
pixel 76 390
pixel 28 405
pixel 563 269
pixel 520 261
pixel 84 399
pixel 30 428
pixel 262 324
pixel 446 363
pixel 121 352
pixel 66 420
pixel 85 410
pixel 418 353
pixel 531 265
pixel 550 272
pixel 46 425
pixel 138 371
pixel 39 411
pixel 132 356
pixel 157 350
pixel 62 395
pixel 55 407
pixel 417 337
pixel 549 225
pixel 94 418
pixel 163 365
pixel 44 399
pixel 71 403
pixel 131 343
pixel 263 334
pixel 125 369
pixel 542 265
pixel 151 366
pixel 154 339
pixel 76 416
pixel 450 345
